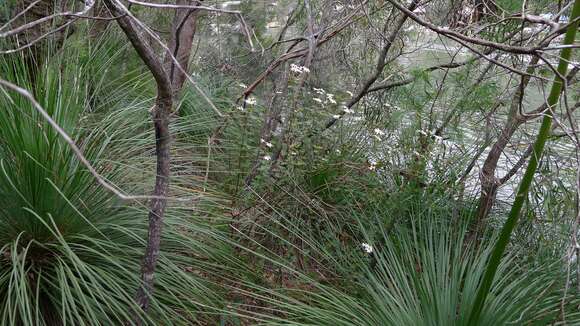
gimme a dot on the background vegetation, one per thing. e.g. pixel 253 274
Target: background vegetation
pixel 331 163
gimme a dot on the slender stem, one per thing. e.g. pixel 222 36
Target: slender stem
pixel 522 193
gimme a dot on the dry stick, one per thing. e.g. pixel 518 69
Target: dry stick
pixel 164 103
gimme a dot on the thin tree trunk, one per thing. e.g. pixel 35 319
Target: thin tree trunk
pixel 158 203
pixel 161 113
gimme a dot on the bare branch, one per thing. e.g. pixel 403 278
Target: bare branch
pixel 38 39
pixel 174 59
pixel 25 10
pixel 458 36
pixel 204 8
pixel 88 5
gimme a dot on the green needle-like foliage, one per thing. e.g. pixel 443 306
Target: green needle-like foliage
pixel 427 275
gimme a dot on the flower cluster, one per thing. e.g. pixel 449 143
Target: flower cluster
pixel 346 110
pixel 438 139
pixel 299 69
pixel 324 97
pixel 378 134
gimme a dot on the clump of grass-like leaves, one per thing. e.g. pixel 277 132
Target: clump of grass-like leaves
pixel 70 251
pixel 424 272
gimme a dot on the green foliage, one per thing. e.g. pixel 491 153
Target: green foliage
pixel 427 273
pixel 287 249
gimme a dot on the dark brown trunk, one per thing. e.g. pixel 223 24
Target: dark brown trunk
pixel 157 204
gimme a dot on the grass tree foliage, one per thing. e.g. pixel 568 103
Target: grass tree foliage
pixel 362 221
pixel 70 250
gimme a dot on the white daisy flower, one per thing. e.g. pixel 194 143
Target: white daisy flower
pixel 336 116
pixel 267 158
pixel 330 98
pixel 268 144
pixel 347 110
pixel 251 101
pixel 367 248
pixel 295 68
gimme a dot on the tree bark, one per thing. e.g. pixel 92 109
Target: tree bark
pixel 161 113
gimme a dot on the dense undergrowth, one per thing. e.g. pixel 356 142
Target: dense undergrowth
pixel 329 237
